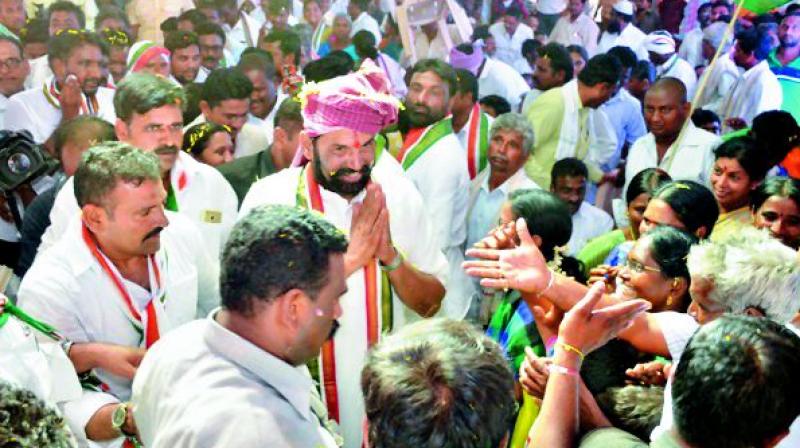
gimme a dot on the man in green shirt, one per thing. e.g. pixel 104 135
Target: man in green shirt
pixel 566 125
pixel 785 63
pixel 243 172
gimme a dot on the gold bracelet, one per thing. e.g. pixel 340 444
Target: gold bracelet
pixel 571 348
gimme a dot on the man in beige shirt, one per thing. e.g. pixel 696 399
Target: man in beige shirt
pixel 146 16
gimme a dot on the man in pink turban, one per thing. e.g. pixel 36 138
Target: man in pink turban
pixel 395 271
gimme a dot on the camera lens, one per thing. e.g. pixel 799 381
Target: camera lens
pixel 19 163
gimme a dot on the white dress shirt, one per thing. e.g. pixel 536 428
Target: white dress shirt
pixel 692 160
pixel 242 35
pixel 630 37
pixel 414 237
pixel 551 7
pixel 721 78
pixel 675 67
pixel 583 31
pixel 756 91
pixel 207 199
pixel 587 223
pixel 366 22
pixel 624 112
pixel 484 209
pixel 691 49
pixel 67 288
pixel 3 107
pixel 30 110
pixel 197 377
pixel 509 47
pixel 40 72
pixel 435 48
pixel 499 78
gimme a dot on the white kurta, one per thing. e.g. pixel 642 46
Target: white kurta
pixel 692 160
pixel 756 91
pixel 197 377
pixel 691 49
pixel 499 78
pixel 721 78
pixel 67 288
pixel 368 23
pixel 675 67
pixel 412 234
pixel 587 223
pixel 30 110
pixel 630 37
pixel 509 47
pixel 583 31
pixel 3 107
pixel 207 199
pixel 242 35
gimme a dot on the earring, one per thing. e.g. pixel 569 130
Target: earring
pixel 669 300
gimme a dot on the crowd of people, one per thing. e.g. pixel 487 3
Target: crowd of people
pixel 356 223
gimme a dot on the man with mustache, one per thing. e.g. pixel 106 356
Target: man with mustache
pixel 125 273
pixel 393 264
pixel 620 30
pixel 150 117
pixel 76 58
pixel 279 308
pixel 435 162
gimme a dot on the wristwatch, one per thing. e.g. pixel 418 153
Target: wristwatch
pixel 119 417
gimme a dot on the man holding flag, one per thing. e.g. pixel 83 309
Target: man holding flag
pixel 125 274
pixel 395 271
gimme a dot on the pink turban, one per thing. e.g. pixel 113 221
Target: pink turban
pixel 359 101
pixel 471 62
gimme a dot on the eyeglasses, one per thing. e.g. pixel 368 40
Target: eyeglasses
pixel 11 63
pixel 638 267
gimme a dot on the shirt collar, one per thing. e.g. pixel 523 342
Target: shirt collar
pixel 506 186
pixel 756 69
pixel 293 383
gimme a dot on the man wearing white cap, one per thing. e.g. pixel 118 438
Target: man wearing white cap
pixel 621 31
pixel 661 48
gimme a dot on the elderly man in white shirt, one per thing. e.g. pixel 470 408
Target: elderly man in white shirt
pixel 757 89
pixel 511 141
pixel 673 144
pixel 661 48
pixel 125 274
pixel 273 321
pixel 576 28
pixel 620 30
pixel 76 59
pixel 395 267
pixel 722 75
pixel 151 119
pixel 509 34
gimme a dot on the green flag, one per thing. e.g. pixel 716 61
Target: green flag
pixel 762 6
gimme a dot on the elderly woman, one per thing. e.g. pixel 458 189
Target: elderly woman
pixel 339 38
pixel 510 143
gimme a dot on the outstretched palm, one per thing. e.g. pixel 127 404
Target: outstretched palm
pixel 522 267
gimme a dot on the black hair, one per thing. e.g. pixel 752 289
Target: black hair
pixel 466 83
pixel 68 7
pixel 560 59
pixel 207 28
pixel 530 47
pixel 274 249
pixel 257 59
pixel 578 49
pixel 64 43
pixel 191 110
pixel 784 187
pixel 35 31
pixel 745 151
pixel 178 40
pixel 496 102
pixel 196 137
pixel 755 42
pixel 776 133
pixel 625 55
pixel 702 117
pixel 603 68
pixel 289 42
pixel 364 43
pixel 735 385
pixel 110 12
pixel 115 39
pixel 141 92
pixel 328 67
pixel 646 181
pixel 694 204
pixel 225 84
pixel 362 5
pixel 195 16
pixel 513 11
pixel 289 110
pixel 644 70
pixel 568 167
pixel 669 248
pixel 442 69
pixel 702 7
pixel 481 32
pixel 169 25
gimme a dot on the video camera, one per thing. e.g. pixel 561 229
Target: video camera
pixel 21 160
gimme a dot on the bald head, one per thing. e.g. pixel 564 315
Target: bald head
pixel 671 87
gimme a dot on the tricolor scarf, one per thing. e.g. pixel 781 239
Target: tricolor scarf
pixel 89 105
pixel 179 180
pixel 477 141
pixel 419 140
pixel 378 301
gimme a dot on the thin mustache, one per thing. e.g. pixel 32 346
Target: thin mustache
pixel 152 233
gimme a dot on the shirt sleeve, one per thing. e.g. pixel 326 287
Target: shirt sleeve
pixel 79 412
pixel 677 328
pixel 18 118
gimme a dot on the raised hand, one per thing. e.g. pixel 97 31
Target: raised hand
pixel 369 219
pixel 588 328
pixel 71 97
pixel 523 267
pixel 501 237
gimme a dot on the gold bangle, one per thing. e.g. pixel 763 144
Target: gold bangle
pixel 571 348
